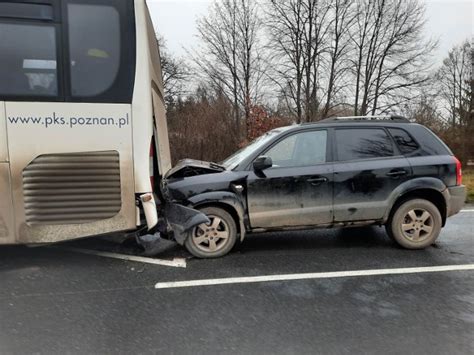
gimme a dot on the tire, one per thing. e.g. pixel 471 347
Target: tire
pixel 388 230
pixel 415 224
pixel 213 240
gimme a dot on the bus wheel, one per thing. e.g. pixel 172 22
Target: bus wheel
pixel 215 239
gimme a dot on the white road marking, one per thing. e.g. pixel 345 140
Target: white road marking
pixel 317 275
pixel 467 210
pixel 176 262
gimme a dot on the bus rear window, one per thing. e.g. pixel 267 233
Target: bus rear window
pixel 94 49
pixel 28 64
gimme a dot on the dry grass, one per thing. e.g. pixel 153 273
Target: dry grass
pixel 468 180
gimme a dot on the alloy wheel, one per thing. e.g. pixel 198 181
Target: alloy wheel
pixel 417 225
pixel 211 237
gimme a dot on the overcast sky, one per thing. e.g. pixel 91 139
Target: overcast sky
pixel 450 21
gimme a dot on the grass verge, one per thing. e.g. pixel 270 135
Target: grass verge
pixel 468 180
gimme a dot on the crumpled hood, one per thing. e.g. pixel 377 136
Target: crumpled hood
pixel 191 167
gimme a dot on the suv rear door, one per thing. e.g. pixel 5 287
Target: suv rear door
pixel 368 168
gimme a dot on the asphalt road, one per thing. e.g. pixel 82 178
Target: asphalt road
pixel 54 300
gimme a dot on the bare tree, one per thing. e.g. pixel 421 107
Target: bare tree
pixel 447 105
pixel 456 98
pixel 390 54
pixel 425 110
pixel 229 59
pixel 286 26
pixel 343 18
pixel 298 31
pixel 456 78
pixel 175 74
pixel 316 36
pixel 198 119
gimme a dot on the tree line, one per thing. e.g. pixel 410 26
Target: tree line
pixel 275 62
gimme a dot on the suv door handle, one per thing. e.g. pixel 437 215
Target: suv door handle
pixel 317 180
pixel 397 173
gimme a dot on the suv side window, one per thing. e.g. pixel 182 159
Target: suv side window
pixel 405 142
pixel 300 149
pixel 362 143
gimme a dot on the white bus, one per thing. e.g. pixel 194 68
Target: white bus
pixel 83 131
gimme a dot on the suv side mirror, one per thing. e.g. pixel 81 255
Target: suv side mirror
pixel 262 163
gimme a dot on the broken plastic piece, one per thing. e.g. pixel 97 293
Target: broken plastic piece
pixel 150 243
pixel 182 219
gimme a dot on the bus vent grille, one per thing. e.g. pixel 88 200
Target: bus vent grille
pixel 72 188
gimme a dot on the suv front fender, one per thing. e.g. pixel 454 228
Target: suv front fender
pixel 228 199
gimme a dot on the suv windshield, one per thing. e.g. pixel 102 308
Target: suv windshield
pixel 235 159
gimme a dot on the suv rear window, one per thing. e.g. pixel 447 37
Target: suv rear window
pixel 405 142
pixel 362 143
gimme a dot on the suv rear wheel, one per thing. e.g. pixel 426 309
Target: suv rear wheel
pixel 214 239
pixel 415 224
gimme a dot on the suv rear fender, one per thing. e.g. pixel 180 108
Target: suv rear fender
pixel 429 188
pixel 229 201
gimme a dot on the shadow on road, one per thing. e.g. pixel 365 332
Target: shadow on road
pixel 339 238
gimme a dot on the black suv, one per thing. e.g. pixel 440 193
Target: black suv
pixel 346 171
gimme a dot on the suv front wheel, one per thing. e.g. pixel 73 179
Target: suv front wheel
pixel 214 239
pixel 415 224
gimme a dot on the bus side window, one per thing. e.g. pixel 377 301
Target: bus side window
pixel 94 49
pixel 28 60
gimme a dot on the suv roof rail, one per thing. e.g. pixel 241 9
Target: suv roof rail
pixel 367 118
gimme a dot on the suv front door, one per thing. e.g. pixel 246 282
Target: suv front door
pixel 367 169
pixel 297 189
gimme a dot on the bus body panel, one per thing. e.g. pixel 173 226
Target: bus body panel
pixel 40 130
pixel 7 235
pixel 161 134
pixel 71 169
pixel 3 135
pixel 158 100
pixel 145 106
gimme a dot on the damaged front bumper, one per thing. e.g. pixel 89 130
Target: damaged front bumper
pixel 169 216
pixel 182 220
pixel 170 219
pixel 173 221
